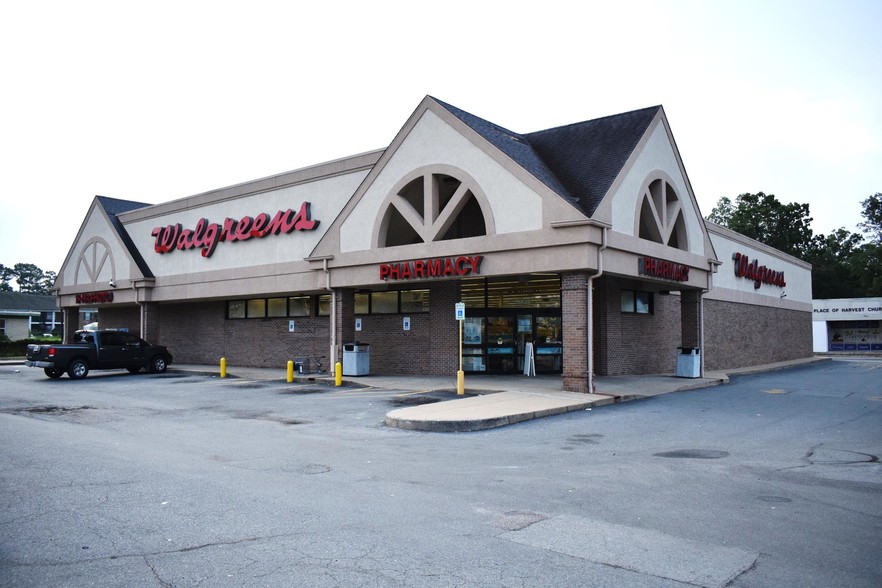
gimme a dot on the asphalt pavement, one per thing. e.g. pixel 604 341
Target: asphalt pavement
pixel 491 401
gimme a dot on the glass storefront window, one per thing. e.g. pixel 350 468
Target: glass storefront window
pixel 384 302
pixel 472 292
pixel 256 308
pixel 277 307
pixel 414 301
pixel 641 302
pixel 298 306
pixel 236 309
pixel 548 329
pixel 636 302
pixel 627 301
pixel 531 291
pixel 362 303
pixel 324 305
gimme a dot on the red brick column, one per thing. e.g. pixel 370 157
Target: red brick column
pixel 574 310
pixel 149 322
pixel 443 347
pixel 344 309
pixel 690 318
pixel 71 322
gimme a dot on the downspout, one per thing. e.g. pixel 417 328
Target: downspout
pixel 332 359
pixel 713 265
pixel 333 339
pixel 590 308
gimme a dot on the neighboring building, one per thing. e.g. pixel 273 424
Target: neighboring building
pixel 847 324
pixel 23 315
pixel 583 241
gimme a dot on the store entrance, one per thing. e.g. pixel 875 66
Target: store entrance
pixel 497 343
pixel 509 316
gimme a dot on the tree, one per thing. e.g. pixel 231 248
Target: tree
pixel 872 213
pixel 760 216
pixel 47 282
pixel 29 278
pixel 5 277
pixel 833 271
pixel 866 266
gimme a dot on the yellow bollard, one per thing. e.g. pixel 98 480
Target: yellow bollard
pixel 338 374
pixel 460 382
pixel 290 371
pixel 223 367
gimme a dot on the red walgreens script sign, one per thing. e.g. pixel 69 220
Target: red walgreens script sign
pixel 207 235
pixel 760 274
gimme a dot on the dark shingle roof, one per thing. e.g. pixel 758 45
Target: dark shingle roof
pixel 115 206
pixel 580 161
pixel 516 146
pixel 588 156
pixel 31 302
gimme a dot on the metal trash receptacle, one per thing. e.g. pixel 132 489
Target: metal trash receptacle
pixel 301 365
pixel 688 362
pixel 356 359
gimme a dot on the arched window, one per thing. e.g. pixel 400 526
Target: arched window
pixel 661 216
pixel 432 205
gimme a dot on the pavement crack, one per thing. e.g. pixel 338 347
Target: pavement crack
pixel 151 553
pixel 156 574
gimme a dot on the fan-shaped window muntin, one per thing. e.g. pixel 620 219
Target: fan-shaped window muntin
pixel 660 216
pixel 434 205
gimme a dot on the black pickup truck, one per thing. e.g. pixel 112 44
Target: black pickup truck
pixel 98 350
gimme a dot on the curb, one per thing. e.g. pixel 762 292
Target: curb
pixel 469 425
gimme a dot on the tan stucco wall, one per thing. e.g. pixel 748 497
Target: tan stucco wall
pixel 729 287
pixel 433 142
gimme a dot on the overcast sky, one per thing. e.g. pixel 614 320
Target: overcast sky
pixel 154 101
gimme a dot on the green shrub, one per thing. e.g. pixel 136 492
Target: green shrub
pixel 20 348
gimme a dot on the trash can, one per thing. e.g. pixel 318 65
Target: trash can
pixel 356 359
pixel 688 362
pixel 301 365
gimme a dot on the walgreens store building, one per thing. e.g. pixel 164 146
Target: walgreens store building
pixel 580 248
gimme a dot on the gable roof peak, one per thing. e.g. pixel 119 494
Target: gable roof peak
pixel 578 161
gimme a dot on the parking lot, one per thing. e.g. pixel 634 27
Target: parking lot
pixel 184 479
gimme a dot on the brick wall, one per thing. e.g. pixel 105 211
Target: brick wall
pixel 121 317
pixel 431 345
pixel 199 332
pixel 574 312
pixel 627 343
pixel 739 335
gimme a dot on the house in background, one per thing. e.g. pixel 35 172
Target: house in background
pixel 23 315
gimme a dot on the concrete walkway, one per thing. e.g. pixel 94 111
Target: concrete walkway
pixel 494 401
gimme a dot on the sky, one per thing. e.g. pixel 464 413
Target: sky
pixel 155 101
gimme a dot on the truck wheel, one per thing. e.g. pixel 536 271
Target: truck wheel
pixel 158 365
pixel 78 369
pixel 53 373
